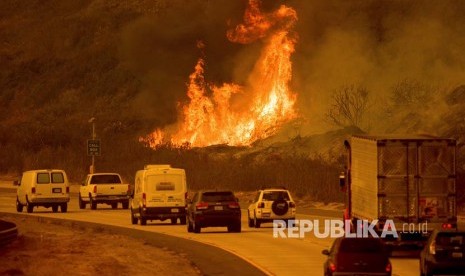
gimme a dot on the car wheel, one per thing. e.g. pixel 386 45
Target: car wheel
pixel 125 204
pixel 174 220
pixel 133 218
pixel 196 227
pixel 143 221
pixel 93 204
pixel 114 205
pixel 64 207
pixel 182 220
pixel 251 224
pixel 237 227
pixel 19 206
pixel 29 206
pixel 256 221
pixel 82 204
pixel 55 208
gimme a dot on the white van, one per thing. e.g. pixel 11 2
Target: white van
pixel 160 193
pixel 46 188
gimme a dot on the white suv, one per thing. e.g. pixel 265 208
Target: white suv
pixel 270 204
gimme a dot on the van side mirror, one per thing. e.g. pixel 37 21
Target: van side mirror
pixel 325 252
pixel 16 183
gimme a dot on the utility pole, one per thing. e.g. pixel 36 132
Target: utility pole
pixel 92 167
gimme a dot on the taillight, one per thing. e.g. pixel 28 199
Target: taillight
pixel 291 205
pixel 332 267
pixel 144 200
pixel 446 226
pixel 95 189
pixel 234 205
pixel 261 205
pixel 33 190
pixel 67 190
pixel 388 267
pixel 201 206
pixel 432 248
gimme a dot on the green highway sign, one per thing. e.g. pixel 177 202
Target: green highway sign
pixel 93 147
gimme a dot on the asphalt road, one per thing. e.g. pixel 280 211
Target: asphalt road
pixel 277 256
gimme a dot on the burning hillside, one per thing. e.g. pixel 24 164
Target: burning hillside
pixel 210 118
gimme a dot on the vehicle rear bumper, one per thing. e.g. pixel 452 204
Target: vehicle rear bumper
pixel 447 268
pixel 217 220
pixel 110 198
pixel 163 212
pixel 361 274
pixel 46 200
pixel 269 216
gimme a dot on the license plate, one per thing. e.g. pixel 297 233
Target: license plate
pixel 218 208
pixel 56 190
pixel 175 210
pixel 457 255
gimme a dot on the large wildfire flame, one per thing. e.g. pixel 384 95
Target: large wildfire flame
pixel 210 118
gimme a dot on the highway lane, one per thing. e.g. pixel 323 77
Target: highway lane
pixel 276 256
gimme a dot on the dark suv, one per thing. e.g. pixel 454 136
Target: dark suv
pixel 213 209
pixel 444 253
pixel 360 256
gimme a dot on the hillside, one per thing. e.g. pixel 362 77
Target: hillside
pixel 127 63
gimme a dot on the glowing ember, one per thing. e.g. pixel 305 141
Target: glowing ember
pixel 209 120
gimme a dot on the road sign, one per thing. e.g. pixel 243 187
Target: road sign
pixel 93 147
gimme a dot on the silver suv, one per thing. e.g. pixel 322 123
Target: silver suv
pixel 270 204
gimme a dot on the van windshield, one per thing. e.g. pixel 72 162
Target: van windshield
pixel 166 182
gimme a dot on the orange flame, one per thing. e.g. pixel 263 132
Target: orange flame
pixel 210 120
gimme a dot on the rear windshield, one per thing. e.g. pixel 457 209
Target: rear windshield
pixel 450 239
pixel 361 245
pixel 105 179
pixel 276 195
pixel 44 178
pixel 218 196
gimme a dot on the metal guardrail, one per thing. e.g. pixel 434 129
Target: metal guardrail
pixel 8 232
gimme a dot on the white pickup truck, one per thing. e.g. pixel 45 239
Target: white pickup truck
pixel 105 188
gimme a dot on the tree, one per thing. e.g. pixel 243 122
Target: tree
pixel 348 107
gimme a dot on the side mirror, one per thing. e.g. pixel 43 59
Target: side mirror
pixel 16 183
pixel 325 252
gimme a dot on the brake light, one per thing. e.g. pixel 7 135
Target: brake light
pixel 33 190
pixel 446 226
pixel 332 267
pixel 67 190
pixel 201 206
pixel 234 205
pixel 261 205
pixel 144 200
pixel 388 267
pixel 95 189
pixel 432 248
pixel 291 205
